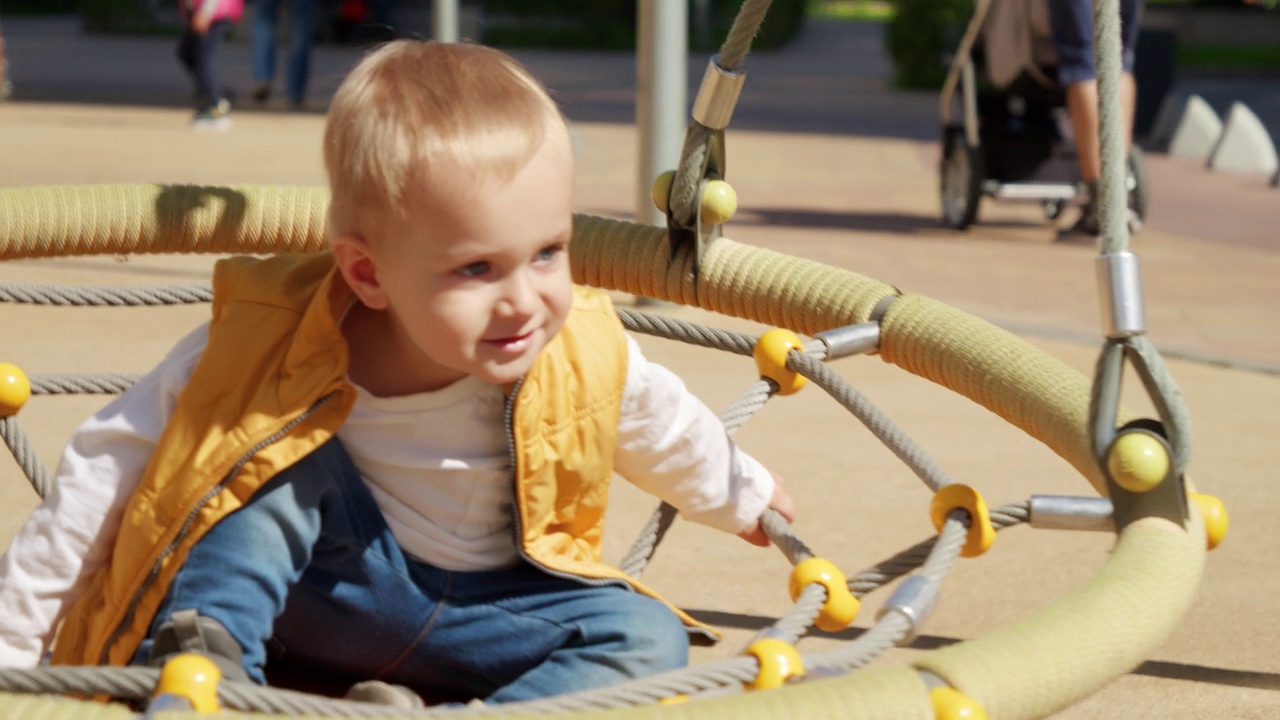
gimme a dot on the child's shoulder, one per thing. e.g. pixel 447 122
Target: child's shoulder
pixel 591 300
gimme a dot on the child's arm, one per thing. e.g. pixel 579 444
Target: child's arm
pixel 672 445
pixel 70 535
pixel 782 503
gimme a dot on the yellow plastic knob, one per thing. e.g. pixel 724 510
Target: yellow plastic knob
pixel 951 704
pixel 193 677
pixel 1215 518
pixel 962 497
pixel 15 389
pixel 771 352
pixel 660 190
pixel 779 662
pixel 719 202
pixel 1138 461
pixel 841 606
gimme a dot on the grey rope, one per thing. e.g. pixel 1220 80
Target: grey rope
pixel 1113 217
pixel 876 421
pixel 746 25
pixel 83 384
pixel 695 154
pixel 1113 208
pixel 687 332
pixel 16 440
pixel 112 296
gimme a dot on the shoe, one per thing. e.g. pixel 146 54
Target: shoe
pixel 213 117
pixel 378 692
pixel 262 91
pixel 1088 226
pixel 187 631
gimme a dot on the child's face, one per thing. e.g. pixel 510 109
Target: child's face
pixel 478 283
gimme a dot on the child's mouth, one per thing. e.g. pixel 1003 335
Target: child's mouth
pixel 513 344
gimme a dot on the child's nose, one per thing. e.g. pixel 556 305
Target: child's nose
pixel 519 295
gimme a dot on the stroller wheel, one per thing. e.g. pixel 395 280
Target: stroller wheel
pixel 1052 209
pixel 962 173
pixel 1136 182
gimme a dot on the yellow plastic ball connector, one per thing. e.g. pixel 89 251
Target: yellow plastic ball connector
pixel 779 662
pixel 951 704
pixel 719 202
pixel 193 677
pixel 1138 461
pixel 1215 518
pixel 771 352
pixel 660 190
pixel 15 389
pixel 841 606
pixel 962 497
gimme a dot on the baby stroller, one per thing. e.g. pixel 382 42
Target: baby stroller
pixel 1012 137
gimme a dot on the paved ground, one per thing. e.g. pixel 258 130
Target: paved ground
pixel 829 165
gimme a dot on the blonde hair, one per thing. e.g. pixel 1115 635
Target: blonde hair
pixel 418 117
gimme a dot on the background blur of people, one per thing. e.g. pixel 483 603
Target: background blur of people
pixel 6 89
pixel 205 24
pixel 1072 24
pixel 302 28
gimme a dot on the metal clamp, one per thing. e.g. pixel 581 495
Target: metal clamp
pixel 718 95
pixel 1120 295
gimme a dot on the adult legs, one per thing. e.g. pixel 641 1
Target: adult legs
pixel 266 17
pixel 302 27
pixel 198 54
pixel 1072 26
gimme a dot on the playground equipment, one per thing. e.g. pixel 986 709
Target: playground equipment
pixel 1029 669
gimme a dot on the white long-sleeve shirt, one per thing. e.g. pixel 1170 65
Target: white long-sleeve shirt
pixel 436 463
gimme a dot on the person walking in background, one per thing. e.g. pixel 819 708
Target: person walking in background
pixel 302 19
pixel 1072 26
pixel 205 27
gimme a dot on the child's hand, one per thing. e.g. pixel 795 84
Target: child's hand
pixel 201 22
pixel 781 502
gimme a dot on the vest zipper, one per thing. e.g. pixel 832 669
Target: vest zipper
pixel 186 526
pixel 508 416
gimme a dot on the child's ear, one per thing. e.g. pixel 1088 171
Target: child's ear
pixel 355 261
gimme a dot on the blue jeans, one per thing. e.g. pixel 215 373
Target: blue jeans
pixel 309 568
pixel 302 27
pixel 199 55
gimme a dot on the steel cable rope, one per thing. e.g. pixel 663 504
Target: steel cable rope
pixel 694 155
pixel 1124 340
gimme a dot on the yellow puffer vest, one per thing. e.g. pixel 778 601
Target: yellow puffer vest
pixel 271 387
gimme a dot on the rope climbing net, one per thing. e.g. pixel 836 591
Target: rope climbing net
pixel 823 597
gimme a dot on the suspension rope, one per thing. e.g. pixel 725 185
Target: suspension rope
pixel 1119 275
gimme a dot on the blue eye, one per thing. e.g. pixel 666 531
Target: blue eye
pixel 548 253
pixel 475 269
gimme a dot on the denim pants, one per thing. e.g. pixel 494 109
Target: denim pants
pixel 199 55
pixel 309 568
pixel 302 26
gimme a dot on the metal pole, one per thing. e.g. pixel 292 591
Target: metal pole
pixel 662 79
pixel 444 20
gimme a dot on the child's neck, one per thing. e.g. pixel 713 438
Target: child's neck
pixel 383 360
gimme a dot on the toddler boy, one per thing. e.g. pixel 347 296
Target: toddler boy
pixel 390 460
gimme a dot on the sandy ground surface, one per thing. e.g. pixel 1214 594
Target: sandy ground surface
pixel 866 203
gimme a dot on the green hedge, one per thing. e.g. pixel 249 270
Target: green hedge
pixel 611 24
pixel 921 38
